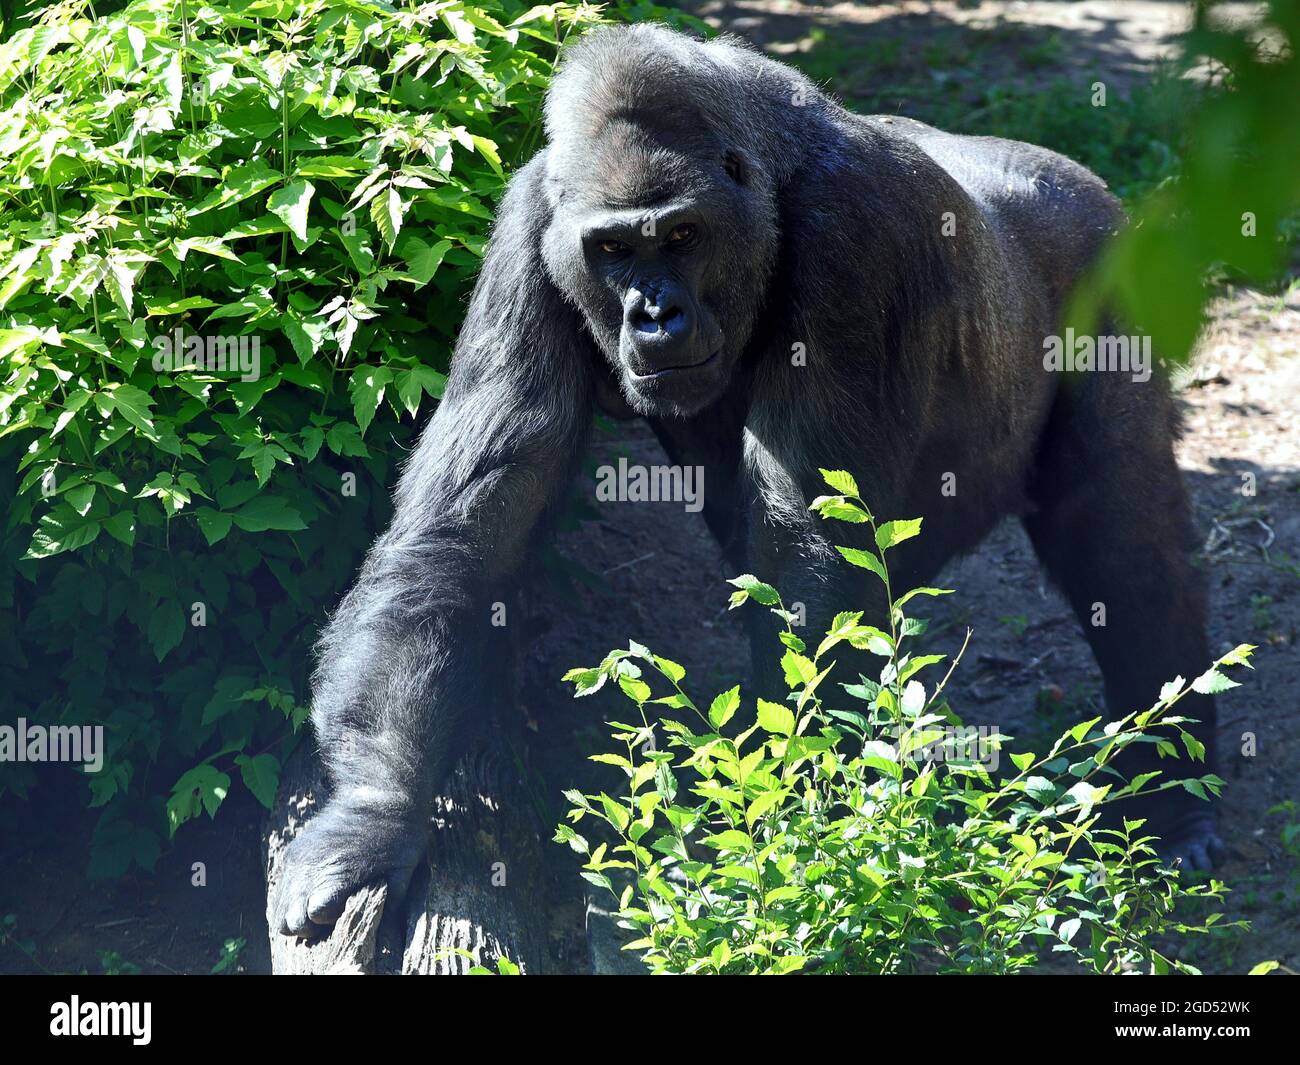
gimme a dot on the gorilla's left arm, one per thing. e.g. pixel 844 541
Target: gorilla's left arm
pixel 409 654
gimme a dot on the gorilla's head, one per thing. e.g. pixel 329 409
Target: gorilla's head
pixel 664 226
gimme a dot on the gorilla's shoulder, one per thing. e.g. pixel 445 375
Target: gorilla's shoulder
pixel 1001 172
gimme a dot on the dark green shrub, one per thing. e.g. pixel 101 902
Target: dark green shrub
pixel 312 181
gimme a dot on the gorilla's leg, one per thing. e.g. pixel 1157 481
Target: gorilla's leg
pixel 1112 525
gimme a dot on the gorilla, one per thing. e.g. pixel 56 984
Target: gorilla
pixel 711 243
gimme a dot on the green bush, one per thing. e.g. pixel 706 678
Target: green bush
pixel 304 189
pixel 876 839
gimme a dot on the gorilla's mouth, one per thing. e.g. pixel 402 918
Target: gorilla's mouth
pixel 667 370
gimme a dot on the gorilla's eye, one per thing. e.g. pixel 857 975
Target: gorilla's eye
pixel 613 247
pixel 682 234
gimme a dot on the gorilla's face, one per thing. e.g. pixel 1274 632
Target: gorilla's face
pixel 663 254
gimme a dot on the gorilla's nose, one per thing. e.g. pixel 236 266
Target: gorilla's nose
pixel 661 328
pixel 668 318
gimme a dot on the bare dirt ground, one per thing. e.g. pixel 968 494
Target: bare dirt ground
pixel 651 572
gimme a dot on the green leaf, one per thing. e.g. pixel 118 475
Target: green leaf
pixel 1212 682
pixel 305 334
pixel 411 383
pixel 585 681
pixel 775 718
pixel 116 844
pixel 208 246
pixel 290 204
pixel 729 839
pixel 756 589
pixel 368 384
pixel 423 260
pixel 213 524
pixel 920 591
pixel 724 706
pixel 329 166
pixel 798 669
pixel 239 184
pixel 62 529
pixel 893 533
pixel 763 804
pixel 674 671
pixel 264 458
pixel 636 690
pixel 121 526
pixel 265 512
pixel 863 560
pixel 839 509
pixel 202 788
pixel 488 149
pixel 261 774
pixel 386 212
pixel 841 481
pixel 343 439
pixel 133 404
pixel 120 282
pixel 166 628
pixel 1081 730
pixel 80 498
pixel 357 245
pixel 190 303
pixel 1238 656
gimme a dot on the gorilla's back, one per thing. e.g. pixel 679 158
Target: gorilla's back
pixel 1044 206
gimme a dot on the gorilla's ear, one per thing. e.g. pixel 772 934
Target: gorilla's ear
pixel 734 165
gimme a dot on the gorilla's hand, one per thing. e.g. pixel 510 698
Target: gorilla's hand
pixel 341 850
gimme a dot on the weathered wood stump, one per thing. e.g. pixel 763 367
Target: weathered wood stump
pixel 482 888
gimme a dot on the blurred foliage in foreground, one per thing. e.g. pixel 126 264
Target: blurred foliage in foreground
pixel 1232 207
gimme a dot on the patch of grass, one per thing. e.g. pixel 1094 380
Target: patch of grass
pixel 1132 142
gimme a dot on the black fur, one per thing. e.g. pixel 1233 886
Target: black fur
pixel 803 225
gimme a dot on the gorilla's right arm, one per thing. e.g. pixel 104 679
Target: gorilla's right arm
pixel 407 655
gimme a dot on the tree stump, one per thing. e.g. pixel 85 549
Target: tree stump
pixel 482 889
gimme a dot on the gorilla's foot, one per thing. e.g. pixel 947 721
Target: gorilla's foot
pixel 341 850
pixel 1193 842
